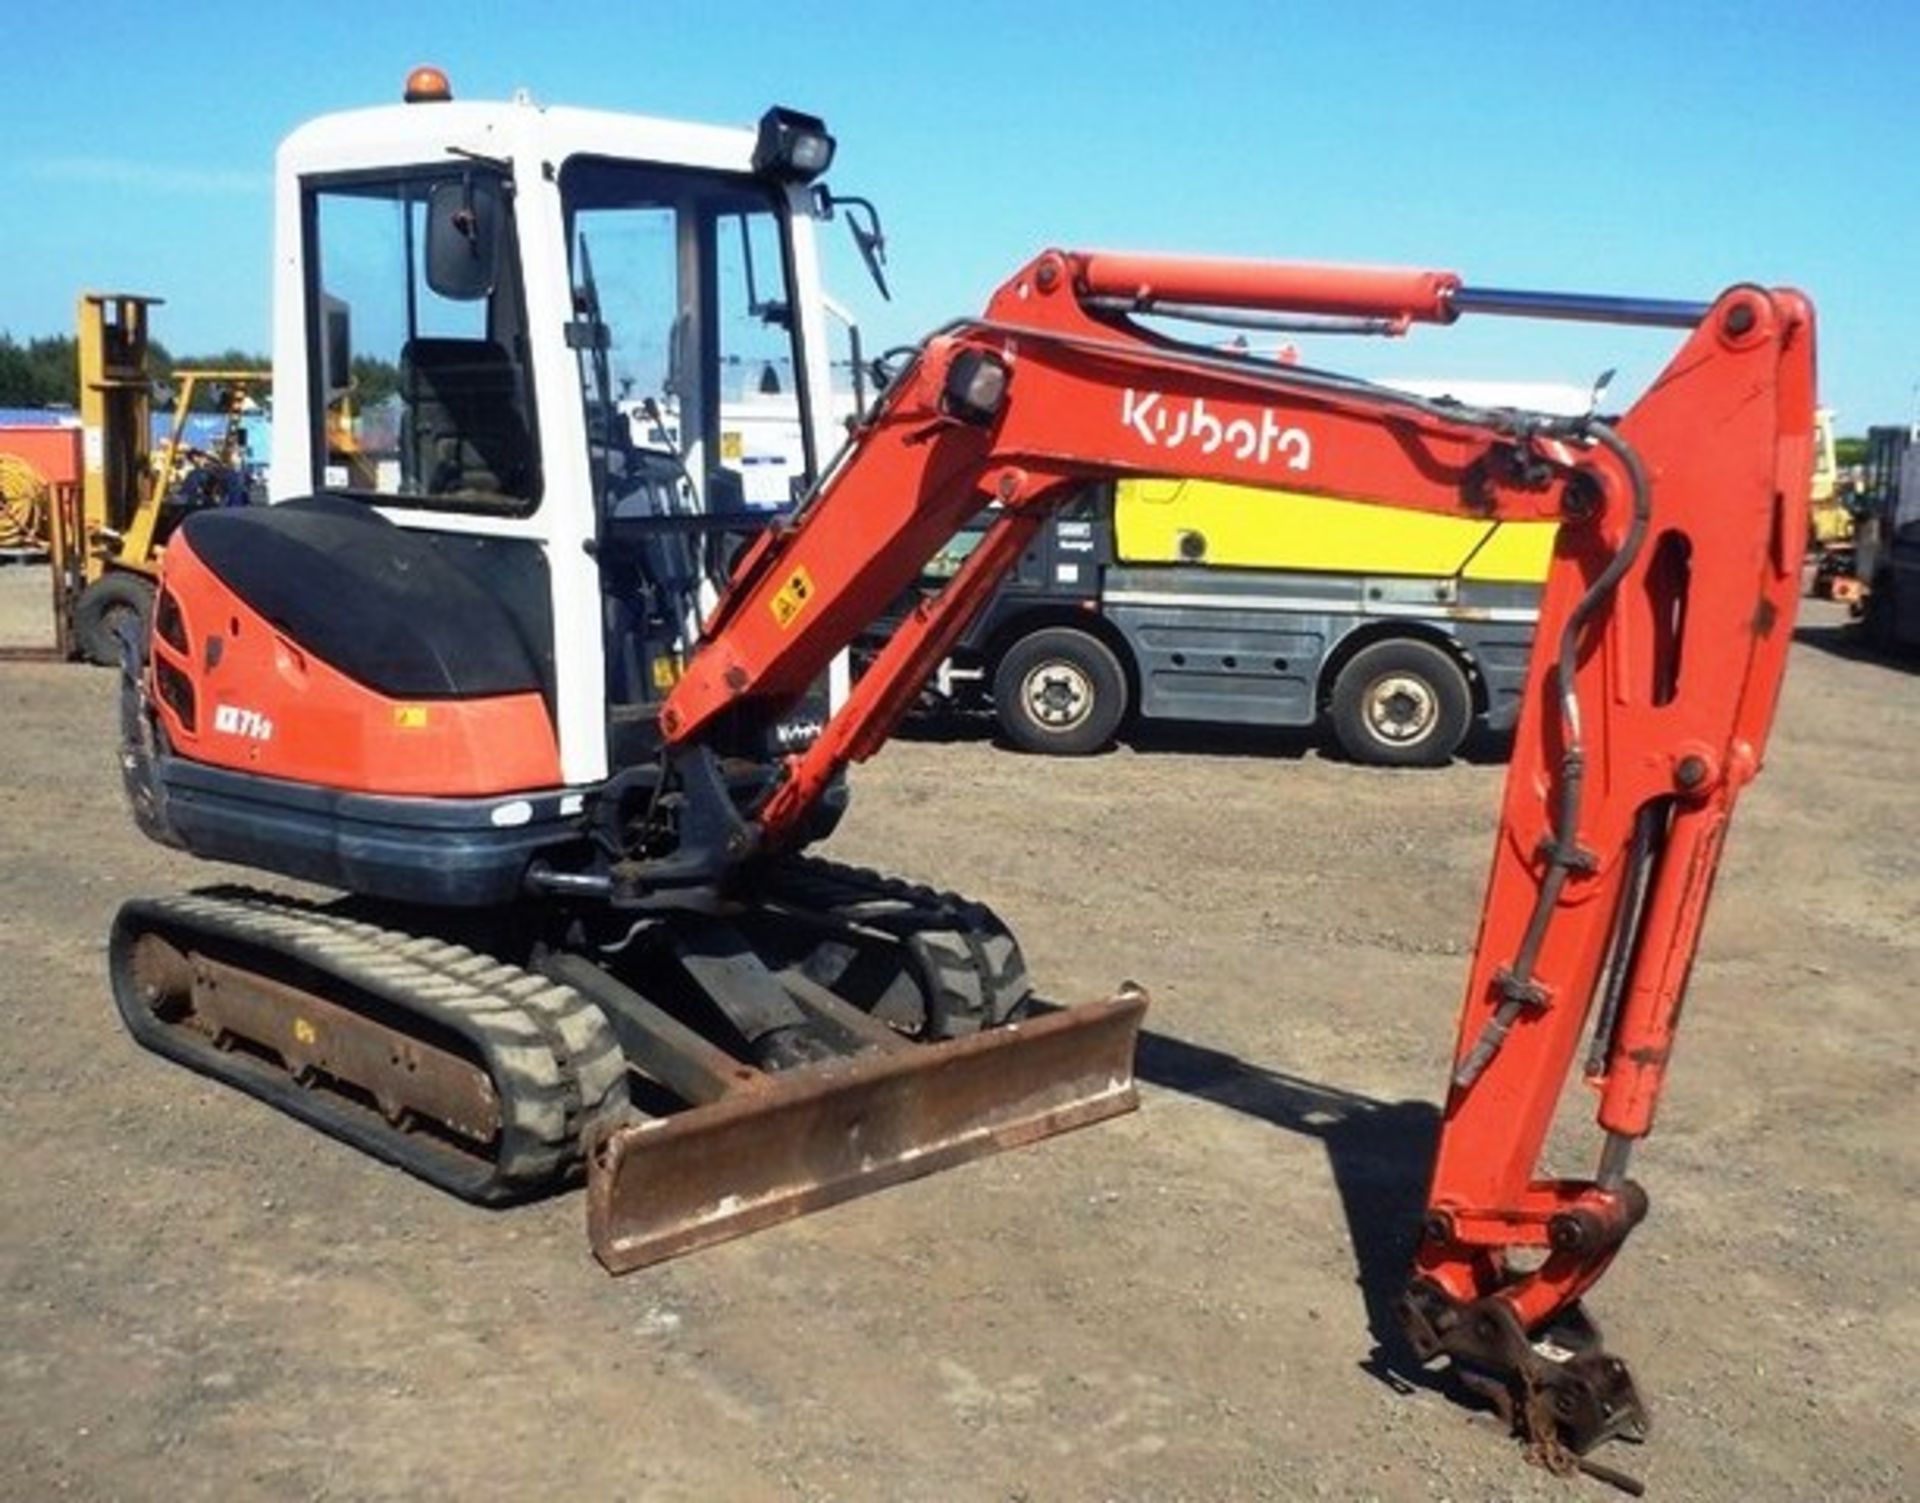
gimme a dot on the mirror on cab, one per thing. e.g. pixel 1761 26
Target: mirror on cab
pixel 863 220
pixel 463 237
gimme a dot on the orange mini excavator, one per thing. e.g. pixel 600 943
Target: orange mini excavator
pixel 514 664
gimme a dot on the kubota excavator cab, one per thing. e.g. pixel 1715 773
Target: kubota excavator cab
pixel 511 344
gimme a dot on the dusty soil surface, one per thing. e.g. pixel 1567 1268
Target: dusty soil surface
pixel 203 1300
pixel 26 605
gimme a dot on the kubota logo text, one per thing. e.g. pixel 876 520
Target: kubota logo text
pixel 234 721
pixel 1165 425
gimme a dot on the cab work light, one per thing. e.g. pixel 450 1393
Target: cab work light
pixel 792 147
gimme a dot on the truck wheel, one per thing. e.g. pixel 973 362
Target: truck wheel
pixel 101 609
pixel 1401 704
pixel 1059 691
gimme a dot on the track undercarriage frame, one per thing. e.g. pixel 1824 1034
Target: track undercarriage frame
pixel 708 1074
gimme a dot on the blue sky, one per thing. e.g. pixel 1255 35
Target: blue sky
pixel 1666 149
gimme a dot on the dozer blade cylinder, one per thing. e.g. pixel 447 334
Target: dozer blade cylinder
pixel 828 1132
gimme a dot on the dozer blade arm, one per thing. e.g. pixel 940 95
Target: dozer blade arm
pixel 1661 643
pixel 921 1054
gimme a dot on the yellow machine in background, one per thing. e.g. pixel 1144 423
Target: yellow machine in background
pixel 1830 521
pixel 130 495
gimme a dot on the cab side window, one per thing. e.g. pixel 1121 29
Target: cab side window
pixel 762 437
pixel 422 393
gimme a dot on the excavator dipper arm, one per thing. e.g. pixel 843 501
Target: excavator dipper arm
pixel 1662 639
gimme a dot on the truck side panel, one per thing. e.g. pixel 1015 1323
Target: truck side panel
pixel 1247 646
pixel 1237 667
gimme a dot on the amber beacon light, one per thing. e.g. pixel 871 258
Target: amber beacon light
pixel 428 85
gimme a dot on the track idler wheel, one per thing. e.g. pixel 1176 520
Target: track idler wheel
pixel 161 978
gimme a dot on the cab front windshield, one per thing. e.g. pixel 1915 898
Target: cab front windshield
pixel 685 329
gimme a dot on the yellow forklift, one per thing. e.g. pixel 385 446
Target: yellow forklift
pixel 107 555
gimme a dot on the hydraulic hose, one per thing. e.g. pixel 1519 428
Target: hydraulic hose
pixel 1518 986
pixel 23 504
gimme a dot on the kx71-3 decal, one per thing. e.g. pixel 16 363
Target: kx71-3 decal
pixel 231 720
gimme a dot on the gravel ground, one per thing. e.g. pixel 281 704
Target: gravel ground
pixel 1178 1305
pixel 26 605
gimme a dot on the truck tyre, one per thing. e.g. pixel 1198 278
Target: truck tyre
pixel 1402 703
pixel 103 606
pixel 1059 691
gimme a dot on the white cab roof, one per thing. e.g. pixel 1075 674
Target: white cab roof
pixel 390 135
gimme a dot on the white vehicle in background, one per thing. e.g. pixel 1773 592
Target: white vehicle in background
pixel 761 440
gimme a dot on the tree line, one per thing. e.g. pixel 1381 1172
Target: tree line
pixel 45 372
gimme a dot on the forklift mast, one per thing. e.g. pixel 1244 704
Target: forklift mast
pixel 116 418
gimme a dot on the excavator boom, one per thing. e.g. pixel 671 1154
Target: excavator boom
pixel 1661 645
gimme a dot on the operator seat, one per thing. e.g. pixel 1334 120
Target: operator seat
pixel 466 424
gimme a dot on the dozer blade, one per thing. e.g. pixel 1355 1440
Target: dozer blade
pixel 821 1134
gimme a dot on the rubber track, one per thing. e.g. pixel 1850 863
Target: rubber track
pixel 553 1061
pixel 966 954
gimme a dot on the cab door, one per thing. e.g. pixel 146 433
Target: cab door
pixel 420 384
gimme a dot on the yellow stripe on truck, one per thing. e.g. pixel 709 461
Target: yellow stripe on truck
pixel 1245 527
pixel 1517 553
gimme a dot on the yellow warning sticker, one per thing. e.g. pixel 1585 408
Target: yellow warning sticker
pixel 793 597
pixel 666 673
pixel 304 1031
pixel 410 717
pixel 732 446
